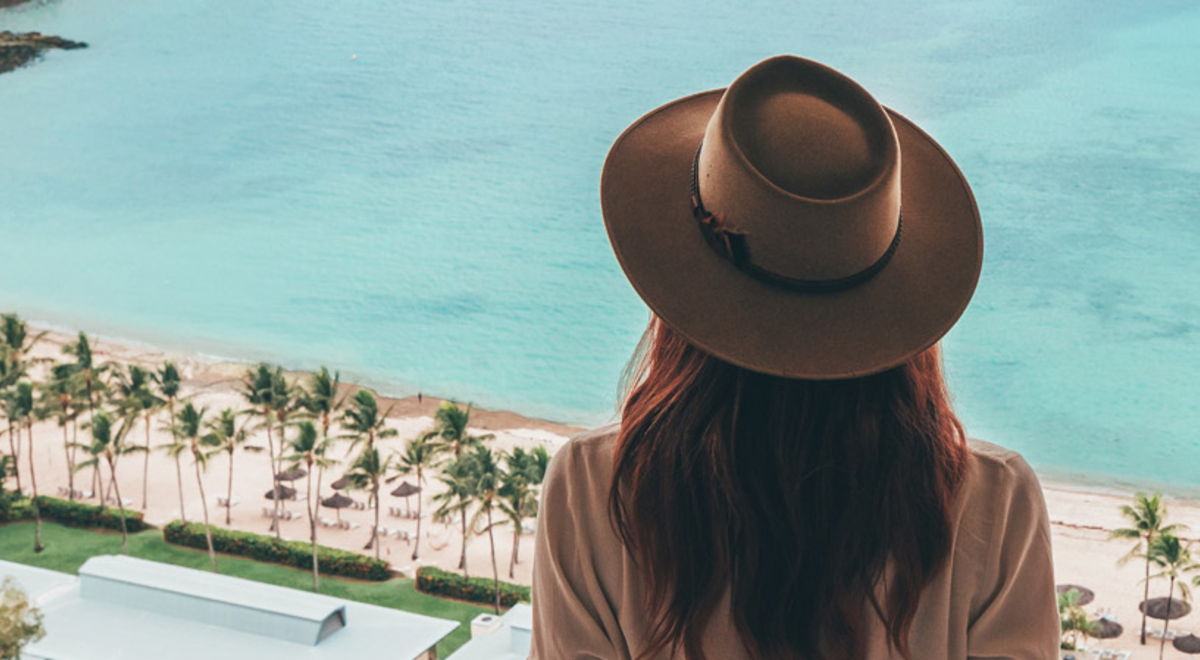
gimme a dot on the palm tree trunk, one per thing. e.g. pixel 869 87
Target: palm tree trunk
pixel 146 466
pixel 112 470
pixel 495 571
pixel 512 563
pixel 462 559
pixel 1146 591
pixel 14 444
pixel 98 484
pixel 417 543
pixel 212 554
pixel 37 512
pixel 74 455
pixel 375 530
pixel 274 475
pixel 179 479
pixel 312 528
pixel 229 491
pixel 70 465
pixel 178 469
pixel 1162 645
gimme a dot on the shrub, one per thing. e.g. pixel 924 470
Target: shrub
pixel 435 581
pixel 14 507
pixel 79 514
pixel 265 548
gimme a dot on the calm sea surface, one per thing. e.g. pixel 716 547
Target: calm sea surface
pixel 408 192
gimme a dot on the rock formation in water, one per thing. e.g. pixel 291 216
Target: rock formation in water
pixel 18 49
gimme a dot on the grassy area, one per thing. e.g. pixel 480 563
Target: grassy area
pixel 67 548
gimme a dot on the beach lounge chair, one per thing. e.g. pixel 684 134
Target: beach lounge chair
pixel 353 525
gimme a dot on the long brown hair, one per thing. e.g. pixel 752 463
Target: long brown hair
pixel 794 495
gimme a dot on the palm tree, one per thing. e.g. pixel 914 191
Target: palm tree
pixel 169 383
pixel 259 387
pixel 450 426
pixel 363 423
pixel 89 374
pixel 59 397
pixel 227 436
pixel 26 413
pixel 189 425
pixel 1148 520
pixel 136 397
pixel 487 476
pixel 526 471
pixel 1175 559
pixel 1074 618
pixel 420 454
pixel 309 451
pixel 14 334
pixel 321 398
pixel 108 446
pixel 366 473
pixel 457 498
pixel 8 404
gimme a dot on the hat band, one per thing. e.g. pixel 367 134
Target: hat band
pixel 731 245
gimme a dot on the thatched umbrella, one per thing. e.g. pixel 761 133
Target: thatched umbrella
pixel 1085 595
pixel 292 474
pixel 338 502
pixel 280 492
pixel 1106 629
pixel 405 490
pixel 1164 608
pixel 1189 643
pixel 340 484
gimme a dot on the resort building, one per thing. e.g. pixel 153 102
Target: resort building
pixel 504 637
pixel 123 608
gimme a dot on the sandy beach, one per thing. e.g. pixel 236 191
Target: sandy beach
pixel 1081 520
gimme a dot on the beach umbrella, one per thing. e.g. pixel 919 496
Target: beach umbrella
pixel 280 492
pixel 338 502
pixel 340 484
pixel 291 475
pixel 1189 643
pixel 404 490
pixel 1161 608
pixel 1085 595
pixel 1106 629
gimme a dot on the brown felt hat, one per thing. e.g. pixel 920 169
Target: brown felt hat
pixel 792 225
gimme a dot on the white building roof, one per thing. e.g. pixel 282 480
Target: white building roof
pixel 160 610
pixel 510 641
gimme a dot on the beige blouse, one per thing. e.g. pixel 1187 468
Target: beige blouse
pixel 994 600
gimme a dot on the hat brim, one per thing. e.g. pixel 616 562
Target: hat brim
pixel 645 196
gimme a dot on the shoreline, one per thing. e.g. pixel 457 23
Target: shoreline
pixel 214 370
pixel 206 372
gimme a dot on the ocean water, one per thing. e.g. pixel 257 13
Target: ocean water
pixel 408 192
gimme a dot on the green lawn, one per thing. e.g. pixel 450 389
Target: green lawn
pixel 67 548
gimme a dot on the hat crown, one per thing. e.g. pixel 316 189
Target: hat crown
pixel 805 164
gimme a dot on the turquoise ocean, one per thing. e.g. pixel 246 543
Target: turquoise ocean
pixel 408 192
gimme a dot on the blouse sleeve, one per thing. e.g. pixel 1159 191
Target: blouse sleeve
pixel 569 612
pixel 1017 617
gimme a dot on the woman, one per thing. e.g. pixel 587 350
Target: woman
pixel 789 480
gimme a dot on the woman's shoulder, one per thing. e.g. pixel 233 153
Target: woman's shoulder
pixel 998 468
pixel 584 463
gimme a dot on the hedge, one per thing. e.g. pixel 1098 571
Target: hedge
pixel 265 548
pixel 80 514
pixel 435 581
pixel 75 514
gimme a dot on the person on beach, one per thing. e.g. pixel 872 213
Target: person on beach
pixel 788 479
